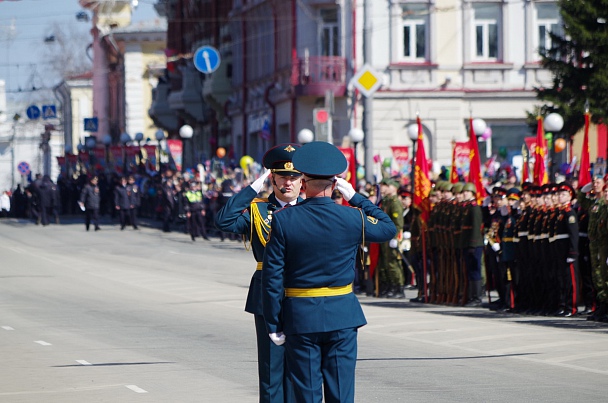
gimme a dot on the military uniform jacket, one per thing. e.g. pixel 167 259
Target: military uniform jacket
pixel 509 238
pixel 235 217
pixel 472 225
pixel 566 234
pixel 394 209
pixel 312 245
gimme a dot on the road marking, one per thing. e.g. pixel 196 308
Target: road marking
pixel 136 389
pixel 7 328
pixel 43 343
pixel 83 362
pixel 16 250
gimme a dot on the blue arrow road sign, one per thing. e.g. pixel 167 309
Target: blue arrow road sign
pixel 91 124
pixel 206 59
pixel 33 112
pixel 49 111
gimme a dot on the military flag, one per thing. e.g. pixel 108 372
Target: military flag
pixel 584 175
pixel 475 167
pixel 422 182
pixel 454 170
pixel 540 151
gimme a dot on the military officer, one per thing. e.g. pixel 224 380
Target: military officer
pixel 389 266
pixel 308 273
pixel 472 243
pixel 598 239
pixel 251 217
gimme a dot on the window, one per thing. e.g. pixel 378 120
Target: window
pixel 330 32
pixel 547 21
pixel 487 32
pixel 414 41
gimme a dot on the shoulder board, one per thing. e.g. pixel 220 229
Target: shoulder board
pixel 259 200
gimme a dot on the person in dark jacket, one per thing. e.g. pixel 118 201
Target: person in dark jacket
pixel 135 200
pixel 122 202
pixel 89 202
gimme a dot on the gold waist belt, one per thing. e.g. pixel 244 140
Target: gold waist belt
pixel 319 292
pixel 259 266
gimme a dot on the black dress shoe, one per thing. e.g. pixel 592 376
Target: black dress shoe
pixel 586 311
pixel 561 312
pixel 569 314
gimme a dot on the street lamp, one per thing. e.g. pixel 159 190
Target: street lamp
pixel 107 140
pixel 412 133
pixel 305 136
pixel 160 136
pixel 356 136
pixel 553 123
pixel 186 132
pixel 124 139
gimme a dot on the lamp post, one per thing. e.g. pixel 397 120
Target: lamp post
pixel 412 133
pixel 160 136
pixel 356 136
pixel 186 132
pixel 553 123
pixel 305 136
pixel 89 144
pixel 124 139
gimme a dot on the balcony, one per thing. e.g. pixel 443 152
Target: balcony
pixel 312 76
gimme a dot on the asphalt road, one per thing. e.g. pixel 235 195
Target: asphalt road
pixel 144 316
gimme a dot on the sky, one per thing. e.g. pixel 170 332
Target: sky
pixel 22 47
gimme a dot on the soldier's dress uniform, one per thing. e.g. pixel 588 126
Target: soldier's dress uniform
pixel 508 252
pixel 472 244
pixel 389 266
pixel 598 239
pixel 309 268
pixel 251 217
pixel 584 203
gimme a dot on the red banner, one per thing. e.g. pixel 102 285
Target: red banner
pixel 460 161
pixel 132 156
pixel 422 182
pixel 475 167
pixel 351 168
pixel 100 158
pixel 401 158
pixel 176 150
pixel 149 157
pixel 584 175
pixel 61 163
pixel 540 152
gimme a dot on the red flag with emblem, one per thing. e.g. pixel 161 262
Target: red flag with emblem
pixel 453 171
pixel 475 168
pixel 540 172
pixel 422 182
pixel 584 175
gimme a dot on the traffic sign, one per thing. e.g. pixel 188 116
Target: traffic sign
pixel 91 124
pixel 33 112
pixel 23 168
pixel 49 111
pixel 367 80
pixel 206 59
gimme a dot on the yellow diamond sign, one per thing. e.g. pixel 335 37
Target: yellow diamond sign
pixel 367 80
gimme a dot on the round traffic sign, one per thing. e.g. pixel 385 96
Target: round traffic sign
pixel 206 59
pixel 33 112
pixel 23 168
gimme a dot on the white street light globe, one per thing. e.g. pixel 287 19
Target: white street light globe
pixel 186 132
pixel 68 148
pixel 160 135
pixel 90 142
pixel 305 136
pixel 106 139
pixel 412 131
pixel 125 138
pixel 554 122
pixel 479 126
pixel 139 136
pixel 356 135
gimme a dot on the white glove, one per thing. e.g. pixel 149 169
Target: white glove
pixel 277 338
pixel 393 243
pixel 345 188
pixel 496 247
pixel 407 235
pixel 569 260
pixel 259 182
pixel 587 188
pixel 81 205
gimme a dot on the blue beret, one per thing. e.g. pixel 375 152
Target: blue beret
pixel 319 159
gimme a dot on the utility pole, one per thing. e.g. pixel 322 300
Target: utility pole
pixel 368 101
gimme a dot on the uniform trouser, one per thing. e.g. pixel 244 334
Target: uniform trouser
pixel 91 215
pixel 584 265
pixel 568 274
pixel 167 218
pixel 133 217
pixel 44 215
pixel 390 269
pixel 597 250
pixel 323 363
pixel 197 224
pixel 273 382
pixel 522 282
pixel 123 215
pixel 509 282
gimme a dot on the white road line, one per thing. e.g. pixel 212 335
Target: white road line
pixel 136 389
pixel 83 362
pixel 43 343
pixel 7 328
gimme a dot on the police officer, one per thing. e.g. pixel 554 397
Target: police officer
pixel 389 266
pixel 195 211
pixel 308 273
pixel 250 216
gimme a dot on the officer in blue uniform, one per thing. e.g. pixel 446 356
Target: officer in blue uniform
pixel 246 214
pixel 308 274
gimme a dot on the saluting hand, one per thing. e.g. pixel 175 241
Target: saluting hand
pixel 345 188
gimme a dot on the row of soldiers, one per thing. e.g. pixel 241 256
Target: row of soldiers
pixel 544 248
